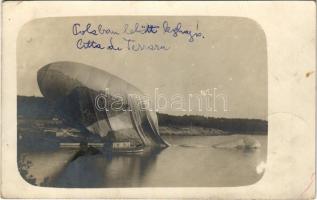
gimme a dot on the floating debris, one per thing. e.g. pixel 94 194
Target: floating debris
pixel 243 143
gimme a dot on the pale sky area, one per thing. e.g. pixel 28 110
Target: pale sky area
pixel 231 58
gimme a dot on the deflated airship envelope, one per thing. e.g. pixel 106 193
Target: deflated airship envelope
pixel 78 85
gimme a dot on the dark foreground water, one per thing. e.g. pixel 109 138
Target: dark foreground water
pixel 190 161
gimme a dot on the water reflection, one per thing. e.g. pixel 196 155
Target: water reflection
pixel 189 162
pixel 100 171
pixel 86 171
pixel 41 168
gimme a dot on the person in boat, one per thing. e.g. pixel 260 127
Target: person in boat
pixel 85 150
pixel 109 139
pixel 108 143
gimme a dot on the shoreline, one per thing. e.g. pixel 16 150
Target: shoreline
pixel 200 131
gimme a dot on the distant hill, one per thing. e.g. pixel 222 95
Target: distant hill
pixel 40 108
pixel 35 108
pixel 224 124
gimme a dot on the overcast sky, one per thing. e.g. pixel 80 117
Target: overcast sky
pixel 231 58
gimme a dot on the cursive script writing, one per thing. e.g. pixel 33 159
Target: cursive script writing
pixel 111 46
pixel 136 37
pixel 178 29
pixel 88 44
pixel 136 46
pixel 88 29
pixel 143 29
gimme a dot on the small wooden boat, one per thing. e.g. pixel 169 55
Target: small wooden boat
pixel 117 147
pixel 128 150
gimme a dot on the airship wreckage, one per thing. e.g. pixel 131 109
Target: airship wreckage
pixel 75 88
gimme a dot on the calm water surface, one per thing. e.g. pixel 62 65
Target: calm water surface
pixel 190 161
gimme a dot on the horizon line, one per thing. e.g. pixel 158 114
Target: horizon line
pixel 195 115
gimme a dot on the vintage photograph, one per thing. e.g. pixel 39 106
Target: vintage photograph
pixel 142 101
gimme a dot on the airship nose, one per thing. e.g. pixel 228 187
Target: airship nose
pixel 51 82
pixel 41 74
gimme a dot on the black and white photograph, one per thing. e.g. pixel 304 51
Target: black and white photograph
pixel 158 100
pixel 142 102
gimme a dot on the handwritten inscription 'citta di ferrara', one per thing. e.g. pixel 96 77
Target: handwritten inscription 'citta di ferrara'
pixel 88 36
